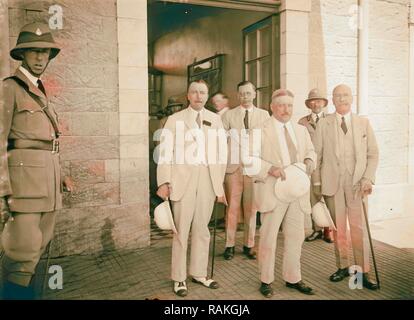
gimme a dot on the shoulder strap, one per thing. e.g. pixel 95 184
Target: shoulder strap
pixel 44 108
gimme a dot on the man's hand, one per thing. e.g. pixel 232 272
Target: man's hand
pixel 317 192
pixel 222 200
pixel 277 173
pixel 164 191
pixel 4 212
pixel 366 187
pixel 310 167
pixel 68 184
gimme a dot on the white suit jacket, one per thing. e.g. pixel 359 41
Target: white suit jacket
pixel 271 156
pixel 178 173
pixel 327 148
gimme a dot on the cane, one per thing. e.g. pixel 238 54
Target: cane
pixel 370 242
pixel 214 243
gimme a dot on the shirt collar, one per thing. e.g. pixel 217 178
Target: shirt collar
pixel 320 115
pixel 243 109
pixel 347 116
pixel 194 112
pixel 281 125
pixel 29 76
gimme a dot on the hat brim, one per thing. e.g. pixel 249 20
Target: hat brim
pixel 317 98
pixel 16 53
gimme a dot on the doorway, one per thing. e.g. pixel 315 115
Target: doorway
pixel 226 45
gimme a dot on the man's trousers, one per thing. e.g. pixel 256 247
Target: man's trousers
pixel 294 234
pixel 24 240
pixel 193 212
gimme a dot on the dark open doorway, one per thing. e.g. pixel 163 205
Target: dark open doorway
pixel 222 45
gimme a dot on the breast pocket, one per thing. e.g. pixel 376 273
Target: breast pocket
pixel 28 175
pixel 31 120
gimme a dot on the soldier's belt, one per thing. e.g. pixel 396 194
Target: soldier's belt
pixel 52 145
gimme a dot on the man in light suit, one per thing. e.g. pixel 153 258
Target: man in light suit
pixel 283 142
pixel 192 183
pixel 316 102
pixel 238 185
pixel 347 161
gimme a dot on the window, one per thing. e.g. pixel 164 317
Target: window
pixel 261 58
pixel 210 70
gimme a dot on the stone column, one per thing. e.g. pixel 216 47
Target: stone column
pixel 363 42
pixel 133 106
pixel 411 100
pixel 4 40
pixel 294 49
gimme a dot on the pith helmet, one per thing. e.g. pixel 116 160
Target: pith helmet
pixel 315 94
pixel 35 35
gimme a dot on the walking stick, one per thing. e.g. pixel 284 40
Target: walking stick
pixel 214 243
pixel 370 242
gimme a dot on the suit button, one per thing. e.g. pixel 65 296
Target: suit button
pixel 21 163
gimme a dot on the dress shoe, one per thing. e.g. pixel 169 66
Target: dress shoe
pixel 266 290
pixel 327 235
pixel 367 283
pixel 180 288
pixel 315 235
pixel 228 253
pixel 339 275
pixel 301 287
pixel 209 283
pixel 249 253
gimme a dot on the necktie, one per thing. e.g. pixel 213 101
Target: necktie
pixel 291 146
pixel 343 126
pixel 317 119
pixel 198 120
pixel 246 120
pixel 40 86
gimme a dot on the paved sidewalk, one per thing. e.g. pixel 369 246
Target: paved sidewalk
pixel 144 274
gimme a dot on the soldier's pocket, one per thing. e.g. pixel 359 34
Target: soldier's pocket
pixel 28 175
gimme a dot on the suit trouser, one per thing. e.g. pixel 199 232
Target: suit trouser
pixel 345 205
pixel 193 211
pixel 293 233
pixel 239 194
pixel 24 241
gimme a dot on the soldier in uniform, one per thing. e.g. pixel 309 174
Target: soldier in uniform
pixel 316 102
pixel 30 179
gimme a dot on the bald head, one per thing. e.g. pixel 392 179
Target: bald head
pixel 342 98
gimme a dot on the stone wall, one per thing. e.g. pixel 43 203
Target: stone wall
pixel 333 49
pixel 109 208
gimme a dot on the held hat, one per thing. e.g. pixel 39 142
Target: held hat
pixel 163 216
pixel 35 35
pixel 296 184
pixel 315 94
pixel 321 215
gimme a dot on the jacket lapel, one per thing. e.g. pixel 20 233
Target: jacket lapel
pixel 333 136
pixel 32 88
pixel 356 132
pixel 298 140
pixel 272 137
pixel 311 122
